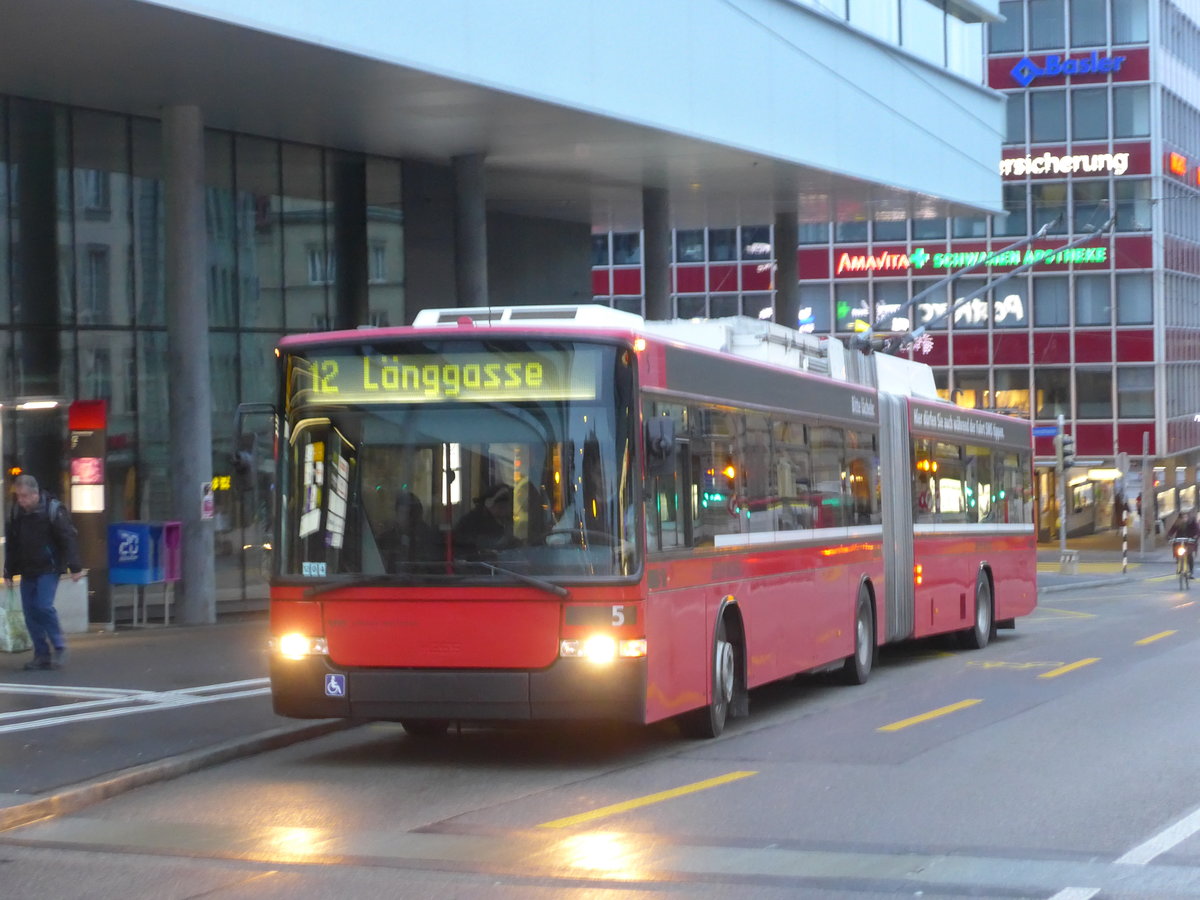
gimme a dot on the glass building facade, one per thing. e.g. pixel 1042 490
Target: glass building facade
pixel 82 296
pixel 1102 120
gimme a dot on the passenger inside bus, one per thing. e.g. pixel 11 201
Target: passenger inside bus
pixel 488 525
pixel 410 538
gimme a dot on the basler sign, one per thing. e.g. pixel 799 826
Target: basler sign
pixel 1026 71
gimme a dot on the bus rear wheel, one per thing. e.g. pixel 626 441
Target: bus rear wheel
pixel 857 667
pixel 709 721
pixel 978 635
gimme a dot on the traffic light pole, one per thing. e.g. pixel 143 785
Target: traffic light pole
pixel 1061 471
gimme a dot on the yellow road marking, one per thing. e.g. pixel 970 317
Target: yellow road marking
pixel 1001 664
pixel 1155 637
pixel 1069 667
pixel 627 805
pixel 1066 612
pixel 932 714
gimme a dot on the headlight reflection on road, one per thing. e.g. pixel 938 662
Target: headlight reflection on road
pixel 297 843
pixel 600 852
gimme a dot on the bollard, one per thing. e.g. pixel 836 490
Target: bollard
pixel 1068 563
pixel 1125 543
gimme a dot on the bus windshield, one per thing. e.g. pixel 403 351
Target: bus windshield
pixel 417 461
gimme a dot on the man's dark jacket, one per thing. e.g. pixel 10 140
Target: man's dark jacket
pixel 35 545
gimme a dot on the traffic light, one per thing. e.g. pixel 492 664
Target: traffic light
pixel 1064 448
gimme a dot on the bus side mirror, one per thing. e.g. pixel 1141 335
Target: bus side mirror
pixel 660 446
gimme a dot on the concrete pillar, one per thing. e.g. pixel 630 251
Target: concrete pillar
pixel 787 284
pixel 470 230
pixel 656 253
pixel 352 299
pixel 189 385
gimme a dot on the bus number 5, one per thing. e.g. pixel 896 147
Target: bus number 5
pixel 618 616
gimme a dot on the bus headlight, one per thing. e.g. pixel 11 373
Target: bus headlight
pixel 602 648
pixel 298 646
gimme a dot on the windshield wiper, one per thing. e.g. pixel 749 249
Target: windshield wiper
pixel 357 581
pixel 542 584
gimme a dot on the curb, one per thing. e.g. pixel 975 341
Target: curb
pixel 1074 586
pixel 76 797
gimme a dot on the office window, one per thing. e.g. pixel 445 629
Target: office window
pixel 722 244
pixel 1091 202
pixel 1048 116
pixel 814 233
pixel 1133 205
pixel 1131 111
pixel 851 305
pixel 599 249
pixel 627 249
pixel 1135 295
pixel 931 310
pixel 1047 25
pixel 1093 300
pixel 890 296
pixel 689 245
pixel 928 229
pixel 964 48
pixel 691 306
pixel 1087 23
pixel 971 389
pixel 973 313
pixel 1015 203
pixel 850 232
pixel 1089 114
pixel 1014 118
pixel 756 242
pixel 95 285
pixel 1049 202
pixel 1131 21
pixel 1135 392
pixel 1008 35
pixel 969 226
pixel 814 309
pixel 1012 389
pixel 1093 393
pixel 1051 302
pixel 1052 391
pixel 723 305
pixel 879 19
pixel 1010 304
pixel 893 227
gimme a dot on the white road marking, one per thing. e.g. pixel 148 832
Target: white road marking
pixel 1166 839
pixel 120 702
pixel 1074 893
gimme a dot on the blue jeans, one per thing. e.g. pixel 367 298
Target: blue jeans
pixel 37 601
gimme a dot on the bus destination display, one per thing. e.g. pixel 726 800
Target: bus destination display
pixel 436 378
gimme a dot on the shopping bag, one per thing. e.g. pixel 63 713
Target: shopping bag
pixel 14 636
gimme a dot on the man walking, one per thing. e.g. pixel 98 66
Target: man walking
pixel 41 543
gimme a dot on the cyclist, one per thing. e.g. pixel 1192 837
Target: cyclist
pixel 1187 528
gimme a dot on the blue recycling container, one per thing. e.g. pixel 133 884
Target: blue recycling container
pixel 135 553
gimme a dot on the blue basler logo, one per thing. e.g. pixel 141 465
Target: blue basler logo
pixel 1027 70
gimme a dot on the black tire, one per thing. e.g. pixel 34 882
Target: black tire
pixel 857 667
pixel 978 635
pixel 709 721
pixel 425 728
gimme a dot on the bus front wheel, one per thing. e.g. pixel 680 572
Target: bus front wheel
pixel 425 727
pixel 709 721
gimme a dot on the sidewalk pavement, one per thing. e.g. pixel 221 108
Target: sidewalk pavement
pixel 133 706
pixel 138 705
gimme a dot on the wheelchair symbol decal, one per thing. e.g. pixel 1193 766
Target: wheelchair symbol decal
pixel 335 685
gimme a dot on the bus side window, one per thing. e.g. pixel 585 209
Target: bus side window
pixel 668 523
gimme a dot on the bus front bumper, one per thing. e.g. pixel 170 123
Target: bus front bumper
pixel 314 688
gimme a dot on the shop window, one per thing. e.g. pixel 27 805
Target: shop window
pixel 1010 304
pixel 691 307
pixel 756 242
pixel 971 389
pixel 930 311
pixel 890 296
pixel 814 309
pixel 722 244
pixel 723 305
pixel 1012 389
pixel 758 306
pixel 851 305
pixel 973 313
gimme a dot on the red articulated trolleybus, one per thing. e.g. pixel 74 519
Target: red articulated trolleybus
pixel 539 513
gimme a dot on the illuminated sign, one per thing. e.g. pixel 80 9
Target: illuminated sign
pixel 1027 70
pixel 1177 163
pixel 437 378
pixel 920 258
pixel 1049 164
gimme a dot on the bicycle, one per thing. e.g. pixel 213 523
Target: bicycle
pixel 1182 549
